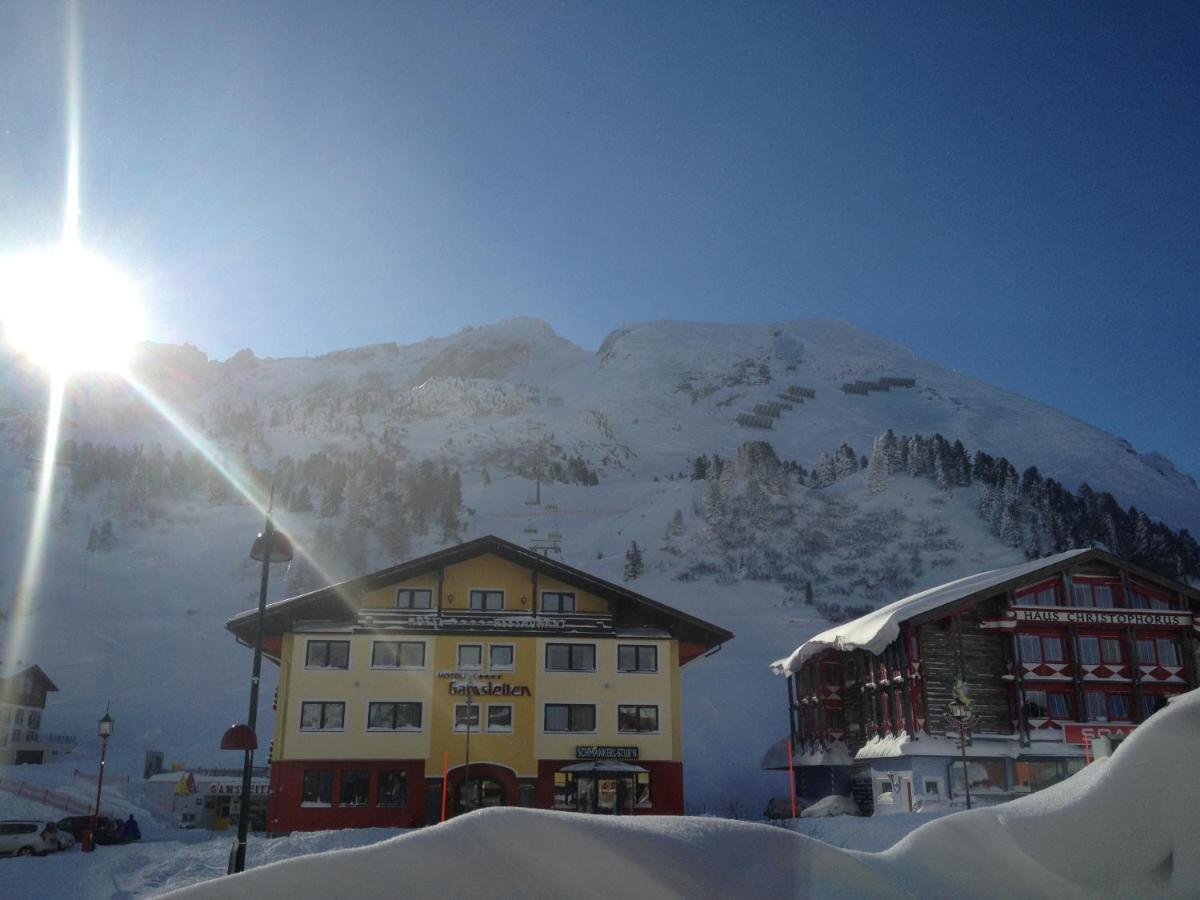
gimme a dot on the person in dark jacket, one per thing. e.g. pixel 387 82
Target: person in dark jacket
pixel 131 832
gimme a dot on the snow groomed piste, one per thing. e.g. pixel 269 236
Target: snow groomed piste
pixel 1124 827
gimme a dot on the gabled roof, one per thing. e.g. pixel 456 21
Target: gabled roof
pixel 9 673
pixel 874 631
pixel 339 602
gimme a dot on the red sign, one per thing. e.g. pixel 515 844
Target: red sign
pixel 1081 734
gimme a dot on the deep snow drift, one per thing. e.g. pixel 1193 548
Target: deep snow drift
pixel 1124 827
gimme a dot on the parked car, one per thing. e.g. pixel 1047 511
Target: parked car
pixel 107 830
pixel 833 805
pixel 65 839
pixel 27 837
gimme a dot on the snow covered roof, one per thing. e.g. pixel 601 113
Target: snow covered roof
pixel 874 631
pixel 10 671
pixel 337 604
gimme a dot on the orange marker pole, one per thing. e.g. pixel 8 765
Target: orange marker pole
pixel 792 778
pixel 445 775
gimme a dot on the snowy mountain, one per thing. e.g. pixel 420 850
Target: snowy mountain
pixel 384 451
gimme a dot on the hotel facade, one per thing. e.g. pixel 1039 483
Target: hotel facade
pixel 481 675
pixel 1048 656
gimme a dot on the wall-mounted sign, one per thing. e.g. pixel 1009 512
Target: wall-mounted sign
pixel 1080 734
pixel 473 621
pixel 494 689
pixel 1102 616
pixel 222 788
pixel 594 752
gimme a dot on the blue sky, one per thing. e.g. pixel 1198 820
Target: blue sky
pixel 1009 189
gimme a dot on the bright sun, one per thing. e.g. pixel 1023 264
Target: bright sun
pixel 69 310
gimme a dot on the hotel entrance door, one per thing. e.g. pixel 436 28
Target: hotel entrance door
pixel 607 788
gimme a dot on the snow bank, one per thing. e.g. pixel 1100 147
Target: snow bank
pixel 1124 827
pixel 874 631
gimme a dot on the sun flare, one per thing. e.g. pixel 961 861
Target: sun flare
pixel 69 310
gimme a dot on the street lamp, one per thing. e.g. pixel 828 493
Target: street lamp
pixel 270 546
pixel 104 730
pixel 960 713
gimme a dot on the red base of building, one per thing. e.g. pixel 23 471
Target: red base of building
pixel 286 810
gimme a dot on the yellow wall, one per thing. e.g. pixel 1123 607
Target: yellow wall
pixel 431 685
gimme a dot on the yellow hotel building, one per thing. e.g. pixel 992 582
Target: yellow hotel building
pixel 481 675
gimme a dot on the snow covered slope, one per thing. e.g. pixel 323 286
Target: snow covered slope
pixel 138 619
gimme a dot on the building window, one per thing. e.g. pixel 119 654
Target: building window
pixel 499 718
pixel 569 717
pixel 571 657
pixel 398 655
pixel 318 788
pixel 19 717
pixel 1092 594
pixel 393 788
pixel 1034 774
pixel 470 656
pixel 1153 702
pixel 637 719
pixel 1043 595
pixel 933 788
pixel 1096 649
pixel 410 598
pixel 356 788
pixel 1118 707
pixel 487 600
pixel 1141 598
pixel 35 718
pixel 1040 704
pixel 322 716
pixel 1107 706
pixel 1158 651
pixel 1041 648
pixel 466 715
pixel 637 658
pixel 327 655
pixel 642 790
pixel 394 716
pixel 5 715
pixel 500 657
pixel 987 777
pixel 558 601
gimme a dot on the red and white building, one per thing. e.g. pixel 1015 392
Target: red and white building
pixel 1052 654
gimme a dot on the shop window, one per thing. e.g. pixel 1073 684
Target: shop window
pixel 414 598
pixel 355 788
pixel 500 718
pixel 570 717
pixel 466 715
pixel 327 655
pixel 1034 774
pixel 558 602
pixel 987 777
pixel 637 658
pixel 642 791
pixel 571 657
pixel 470 656
pixel 487 600
pixel 322 716
pixel 394 716
pixel 500 657
pixel 637 719
pixel 398 655
pixel 318 788
pixel 564 791
pixel 393 788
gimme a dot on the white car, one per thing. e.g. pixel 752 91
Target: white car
pixel 833 805
pixel 27 837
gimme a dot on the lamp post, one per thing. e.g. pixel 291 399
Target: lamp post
pixel 959 712
pixel 270 546
pixel 104 730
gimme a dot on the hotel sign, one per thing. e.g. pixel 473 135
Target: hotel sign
pixel 1084 734
pixel 594 752
pixel 1102 616
pixel 473 622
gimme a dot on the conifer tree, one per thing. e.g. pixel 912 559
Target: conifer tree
pixel 634 564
